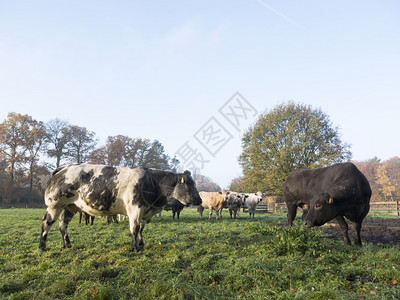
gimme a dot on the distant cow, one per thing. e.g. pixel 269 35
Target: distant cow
pixel 176 207
pixel 113 218
pixel 334 192
pixel 88 218
pixel 251 201
pixel 234 203
pixel 100 190
pixel 212 201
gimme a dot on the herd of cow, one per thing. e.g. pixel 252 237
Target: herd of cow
pixel 334 192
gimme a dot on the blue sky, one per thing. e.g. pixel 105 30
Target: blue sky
pixel 162 69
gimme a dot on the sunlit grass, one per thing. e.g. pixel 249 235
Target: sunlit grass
pixel 190 258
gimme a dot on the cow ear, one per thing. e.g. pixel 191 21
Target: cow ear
pixel 220 192
pixel 187 172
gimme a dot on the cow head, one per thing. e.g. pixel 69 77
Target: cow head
pixel 321 210
pixel 234 198
pixel 244 197
pixel 225 194
pixel 185 189
pixel 260 196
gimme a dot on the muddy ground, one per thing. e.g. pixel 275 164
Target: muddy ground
pixel 376 231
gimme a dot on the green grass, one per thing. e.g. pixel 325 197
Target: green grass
pixel 190 259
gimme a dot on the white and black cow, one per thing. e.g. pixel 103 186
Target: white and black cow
pixel 251 201
pixel 234 202
pixel 104 191
pixel 334 192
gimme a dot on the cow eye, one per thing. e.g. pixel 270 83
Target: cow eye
pixel 318 206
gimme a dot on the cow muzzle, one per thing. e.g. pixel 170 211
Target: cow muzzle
pixel 308 224
pixel 196 200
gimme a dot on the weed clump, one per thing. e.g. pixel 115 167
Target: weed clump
pixel 291 240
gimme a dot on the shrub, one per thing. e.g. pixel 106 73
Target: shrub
pixel 291 240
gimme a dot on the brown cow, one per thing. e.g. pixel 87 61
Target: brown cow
pixel 212 201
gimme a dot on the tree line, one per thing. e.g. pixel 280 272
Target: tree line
pixel 31 149
pixel 284 138
pixel 294 135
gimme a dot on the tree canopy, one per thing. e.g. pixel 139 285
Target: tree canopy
pixel 288 137
pixel 24 141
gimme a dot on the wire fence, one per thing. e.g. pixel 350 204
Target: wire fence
pixel 376 208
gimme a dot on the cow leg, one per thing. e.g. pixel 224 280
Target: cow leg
pixel 48 220
pixel 210 213
pixel 178 213
pixel 173 215
pixel 292 210
pixel 135 240
pixel 140 235
pixel 357 227
pixel 134 225
pixel 87 218
pixel 345 229
pixel 200 209
pixel 64 220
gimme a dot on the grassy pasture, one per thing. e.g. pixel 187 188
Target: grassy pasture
pixel 190 259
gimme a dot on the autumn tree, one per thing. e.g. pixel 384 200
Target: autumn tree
pixel 156 157
pixel 392 166
pixel 12 141
pixel 237 185
pixel 57 137
pixel 368 168
pixel 21 140
pixel 80 143
pixel 35 143
pixel 386 188
pixel 288 137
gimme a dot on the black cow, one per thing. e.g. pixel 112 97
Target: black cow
pixel 100 190
pixel 88 218
pixel 334 192
pixel 176 207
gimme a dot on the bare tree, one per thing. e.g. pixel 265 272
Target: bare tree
pixel 80 143
pixel 57 136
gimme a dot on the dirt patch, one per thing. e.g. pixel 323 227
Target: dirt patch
pixel 376 231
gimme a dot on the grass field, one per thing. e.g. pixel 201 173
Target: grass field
pixel 190 259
